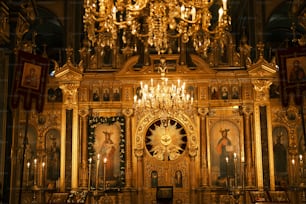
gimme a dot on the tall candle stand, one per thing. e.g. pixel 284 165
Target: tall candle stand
pixel 35 187
pixel 235 191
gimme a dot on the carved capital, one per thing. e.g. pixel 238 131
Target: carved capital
pixel 247 110
pixel 83 112
pixel 138 152
pixel 128 112
pixel 261 87
pixel 203 111
pixel 193 151
pixel 70 93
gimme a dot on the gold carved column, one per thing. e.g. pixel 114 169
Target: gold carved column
pixel 139 176
pixel 70 94
pixel 261 88
pixel 128 113
pixel 69 77
pixel 192 176
pixel 203 140
pixel 83 181
pixel 247 111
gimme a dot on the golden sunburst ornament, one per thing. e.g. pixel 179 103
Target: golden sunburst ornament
pixel 166 139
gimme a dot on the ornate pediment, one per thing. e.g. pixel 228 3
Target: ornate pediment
pixel 68 72
pixel 262 68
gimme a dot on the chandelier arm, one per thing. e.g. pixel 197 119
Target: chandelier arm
pixel 174 36
pixel 190 21
pixel 120 24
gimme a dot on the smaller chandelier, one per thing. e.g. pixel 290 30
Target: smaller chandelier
pixel 162 98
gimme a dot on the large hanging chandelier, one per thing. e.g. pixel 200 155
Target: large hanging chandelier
pixel 155 23
pixel 162 98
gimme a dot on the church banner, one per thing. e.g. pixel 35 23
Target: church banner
pixel 29 81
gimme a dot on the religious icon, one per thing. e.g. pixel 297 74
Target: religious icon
pixel 31 76
pixel 116 94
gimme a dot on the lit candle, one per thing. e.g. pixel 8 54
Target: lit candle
pixel 104 172
pixel 28 174
pixel 43 173
pixel 114 10
pixel 301 159
pixel 242 173
pixel 135 98
pixel 220 15
pixel 97 171
pixel 89 172
pixel 182 11
pixel 235 169
pixel 224 4
pixel 193 13
pixel 35 167
pixel 227 173
pixel 293 171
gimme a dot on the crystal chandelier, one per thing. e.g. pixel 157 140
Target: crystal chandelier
pixel 162 97
pixel 155 23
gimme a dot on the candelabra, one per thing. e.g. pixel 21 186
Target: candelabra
pixel 97 193
pixel 156 23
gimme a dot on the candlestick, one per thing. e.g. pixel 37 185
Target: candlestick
pixel 97 171
pixel 104 172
